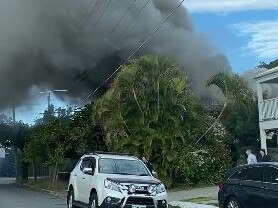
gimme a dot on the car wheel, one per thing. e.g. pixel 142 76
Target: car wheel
pixel 93 202
pixel 71 199
pixel 233 203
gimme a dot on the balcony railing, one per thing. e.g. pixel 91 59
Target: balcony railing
pixel 269 109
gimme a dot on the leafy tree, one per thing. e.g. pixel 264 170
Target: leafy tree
pixel 240 111
pixel 14 135
pixel 235 91
pixel 5 119
pixel 271 65
pixel 64 138
pixel 55 139
pixel 48 116
pixel 86 136
pixel 243 128
pixel 150 111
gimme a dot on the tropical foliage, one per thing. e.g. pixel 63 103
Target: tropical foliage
pixel 63 138
pixel 240 112
pixel 150 111
pixel 270 65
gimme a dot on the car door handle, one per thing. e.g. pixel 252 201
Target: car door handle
pixel 83 178
pixel 263 187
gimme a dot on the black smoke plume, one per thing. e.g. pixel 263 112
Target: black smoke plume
pixel 74 44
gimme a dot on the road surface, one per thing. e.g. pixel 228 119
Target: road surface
pixel 14 196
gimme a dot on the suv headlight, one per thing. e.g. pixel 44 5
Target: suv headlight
pixel 160 188
pixel 112 185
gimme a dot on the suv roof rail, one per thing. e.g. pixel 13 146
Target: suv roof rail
pixel 109 153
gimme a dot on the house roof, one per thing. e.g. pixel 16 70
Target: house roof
pixel 267 73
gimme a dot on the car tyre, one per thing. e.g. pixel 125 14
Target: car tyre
pixel 93 202
pixel 70 199
pixel 233 202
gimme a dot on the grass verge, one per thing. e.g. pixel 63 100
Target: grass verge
pixel 47 184
pixel 199 199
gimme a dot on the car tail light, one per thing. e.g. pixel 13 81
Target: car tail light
pixel 221 184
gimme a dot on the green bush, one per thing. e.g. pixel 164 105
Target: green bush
pixel 191 167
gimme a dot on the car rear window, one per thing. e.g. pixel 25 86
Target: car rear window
pixel 239 175
pixel 252 174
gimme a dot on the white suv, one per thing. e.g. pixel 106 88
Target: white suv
pixel 109 180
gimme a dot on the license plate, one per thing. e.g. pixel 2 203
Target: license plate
pixel 139 206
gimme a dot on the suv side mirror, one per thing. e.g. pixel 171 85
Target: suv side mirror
pixel 88 171
pixel 154 174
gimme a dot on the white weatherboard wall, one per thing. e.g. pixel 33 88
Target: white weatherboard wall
pixel 2 153
pixel 268 108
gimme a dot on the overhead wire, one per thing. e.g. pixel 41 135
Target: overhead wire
pixel 116 25
pixel 136 16
pixel 103 12
pixel 122 17
pixel 93 5
pixel 147 39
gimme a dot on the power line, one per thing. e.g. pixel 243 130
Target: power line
pixel 137 15
pixel 93 5
pixel 103 12
pixel 87 72
pixel 122 18
pixel 149 37
pixel 118 23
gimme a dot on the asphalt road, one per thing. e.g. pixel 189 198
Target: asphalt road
pixel 14 196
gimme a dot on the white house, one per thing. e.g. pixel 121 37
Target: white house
pixel 268 107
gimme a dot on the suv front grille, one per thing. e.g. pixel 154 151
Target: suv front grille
pixel 142 190
pixel 140 201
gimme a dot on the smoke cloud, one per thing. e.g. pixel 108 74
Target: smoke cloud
pixel 74 44
pixel 270 90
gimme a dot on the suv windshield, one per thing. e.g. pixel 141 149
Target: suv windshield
pixel 122 167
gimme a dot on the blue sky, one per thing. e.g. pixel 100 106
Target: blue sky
pixel 246 31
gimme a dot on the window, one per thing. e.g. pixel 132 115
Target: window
pixel 239 175
pixel 122 167
pixel 255 174
pixel 271 175
pixel 85 163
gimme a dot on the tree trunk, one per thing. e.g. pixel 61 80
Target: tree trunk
pixel 55 173
pixel 18 164
pixel 34 171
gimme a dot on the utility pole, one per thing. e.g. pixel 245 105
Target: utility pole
pixel 48 101
pixel 49 96
pixel 13 109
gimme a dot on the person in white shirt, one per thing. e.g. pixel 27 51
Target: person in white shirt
pixel 251 159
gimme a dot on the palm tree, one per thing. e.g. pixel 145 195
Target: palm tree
pixel 148 106
pixel 235 91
